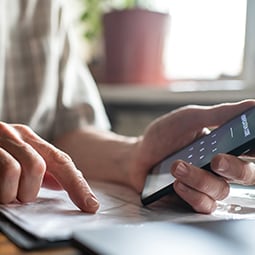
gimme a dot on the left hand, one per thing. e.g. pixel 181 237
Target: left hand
pixel 169 133
pixel 28 162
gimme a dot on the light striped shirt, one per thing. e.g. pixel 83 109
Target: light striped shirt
pixel 43 82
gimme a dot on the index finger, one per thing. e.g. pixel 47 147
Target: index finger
pixel 61 166
pixel 235 169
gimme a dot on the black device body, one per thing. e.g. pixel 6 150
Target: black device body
pixel 235 137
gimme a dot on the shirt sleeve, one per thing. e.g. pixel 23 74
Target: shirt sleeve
pixel 79 102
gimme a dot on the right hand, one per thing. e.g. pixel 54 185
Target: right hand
pixel 173 131
pixel 28 162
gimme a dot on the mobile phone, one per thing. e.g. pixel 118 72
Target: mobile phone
pixel 235 137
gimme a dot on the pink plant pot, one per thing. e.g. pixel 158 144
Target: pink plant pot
pixel 134 42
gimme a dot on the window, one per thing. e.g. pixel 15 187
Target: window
pixel 206 38
pixel 249 51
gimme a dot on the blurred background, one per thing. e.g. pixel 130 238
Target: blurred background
pixel 149 57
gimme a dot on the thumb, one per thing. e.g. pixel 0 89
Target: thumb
pixel 219 114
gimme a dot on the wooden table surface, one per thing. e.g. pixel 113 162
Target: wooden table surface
pixel 8 248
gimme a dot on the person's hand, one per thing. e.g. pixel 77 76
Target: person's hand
pixel 169 133
pixel 27 162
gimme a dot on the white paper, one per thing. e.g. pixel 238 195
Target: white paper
pixel 54 217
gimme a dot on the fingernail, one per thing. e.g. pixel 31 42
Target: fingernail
pixel 92 202
pixel 181 170
pixel 223 165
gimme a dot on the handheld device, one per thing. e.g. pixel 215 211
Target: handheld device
pixel 235 137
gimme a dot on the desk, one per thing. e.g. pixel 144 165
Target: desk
pixel 8 248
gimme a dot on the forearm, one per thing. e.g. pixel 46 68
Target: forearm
pixel 100 155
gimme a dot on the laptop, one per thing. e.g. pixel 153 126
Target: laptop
pixel 230 237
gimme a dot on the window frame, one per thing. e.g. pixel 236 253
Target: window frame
pixel 248 70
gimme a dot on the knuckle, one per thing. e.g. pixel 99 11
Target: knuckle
pixel 59 156
pixel 9 176
pixel 25 132
pixel 37 166
pixel 245 175
pixel 200 204
pixel 36 160
pixel 33 159
pixel 23 128
pixel 223 191
pixel 9 166
pixel 6 130
pixel 3 126
pixel 248 174
pixel 79 181
pixel 203 186
pixel 217 192
pixel 10 130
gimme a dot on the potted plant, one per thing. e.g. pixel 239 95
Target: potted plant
pixel 133 39
pixel 93 11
